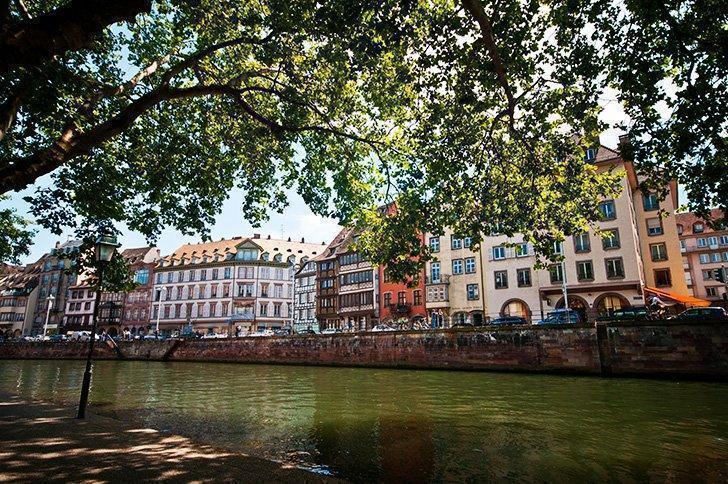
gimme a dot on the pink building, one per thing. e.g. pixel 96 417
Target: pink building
pixel 705 251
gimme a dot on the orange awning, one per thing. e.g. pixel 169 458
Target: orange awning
pixel 686 300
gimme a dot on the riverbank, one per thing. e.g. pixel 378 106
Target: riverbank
pixel 664 349
pixel 44 442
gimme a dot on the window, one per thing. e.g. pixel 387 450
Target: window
pixel 264 309
pixel 704 258
pixel 522 250
pixel 698 228
pixel 702 242
pixel 724 240
pixel 348 259
pixel 715 256
pixel 581 243
pixel 456 243
pixel 708 275
pixel 435 244
pixel 584 270
pixel 501 279
pixel 169 276
pixel 467 242
pixel 650 202
pixel 711 291
pixel 214 274
pixel 658 251
pixel 725 256
pixel 401 297
pixel 247 254
pixel 610 239
pixel 499 253
pixel 227 273
pixel 457 266
pixel 277 309
pixel 472 292
pixel 141 276
pixel 662 278
pixel 203 275
pixel 712 241
pixel 607 210
pixel 470 265
pixel 591 154
pixel 654 226
pixel 192 276
pixel 435 271
pixel 524 277
pixel 387 299
pixel 679 229
pixel 356 277
pixel 326 283
pixel 556 271
pixel 558 247
pixel 417 297
pixel 615 268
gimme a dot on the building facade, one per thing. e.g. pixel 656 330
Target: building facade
pixel 55 278
pixel 705 252
pixel 18 298
pixel 203 285
pixel 454 281
pixel 304 297
pixel 78 314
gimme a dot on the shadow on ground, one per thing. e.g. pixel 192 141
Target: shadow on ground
pixel 43 442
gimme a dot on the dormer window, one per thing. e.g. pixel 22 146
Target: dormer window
pixel 291 259
pixel 591 154
pixel 265 256
pixel 278 258
pixel 698 228
pixel 247 254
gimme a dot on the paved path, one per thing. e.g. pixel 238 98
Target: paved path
pixel 40 442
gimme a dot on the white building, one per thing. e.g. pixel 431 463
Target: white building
pixel 203 285
pixel 304 301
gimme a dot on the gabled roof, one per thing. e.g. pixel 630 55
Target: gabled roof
pixel 24 278
pixel 339 245
pixel 688 219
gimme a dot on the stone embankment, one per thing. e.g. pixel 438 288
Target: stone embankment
pixel 675 349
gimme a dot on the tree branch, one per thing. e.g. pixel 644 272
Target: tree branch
pixel 33 41
pixel 9 109
pixel 476 10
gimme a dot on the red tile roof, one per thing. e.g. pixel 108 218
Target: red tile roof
pixel 688 219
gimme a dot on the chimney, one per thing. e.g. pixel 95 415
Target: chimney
pixel 289 239
pixel 268 236
pixel 303 240
pixel 256 236
pixel 58 243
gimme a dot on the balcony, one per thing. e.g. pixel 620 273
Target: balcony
pixel 400 308
pixel 443 279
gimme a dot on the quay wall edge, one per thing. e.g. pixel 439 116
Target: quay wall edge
pixel 669 349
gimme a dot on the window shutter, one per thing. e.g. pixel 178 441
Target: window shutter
pixel 490 253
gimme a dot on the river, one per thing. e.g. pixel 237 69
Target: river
pixel 372 424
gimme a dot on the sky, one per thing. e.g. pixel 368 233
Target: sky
pixel 296 221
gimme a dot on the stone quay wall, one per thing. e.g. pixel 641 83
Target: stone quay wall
pixel 668 349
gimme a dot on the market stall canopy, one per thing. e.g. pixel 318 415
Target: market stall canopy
pixel 676 298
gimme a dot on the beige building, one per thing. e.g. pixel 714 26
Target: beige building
pixel 18 298
pixel 244 282
pixel 635 252
pixel 453 281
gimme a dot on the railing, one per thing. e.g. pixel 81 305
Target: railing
pixel 400 308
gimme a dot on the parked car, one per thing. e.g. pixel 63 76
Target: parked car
pixel 712 313
pixel 332 331
pixel 381 328
pixel 463 324
pixel 634 313
pixel 57 337
pixel 282 332
pixel 261 333
pixel 508 321
pixel 562 316
pixel 214 336
pixel 307 331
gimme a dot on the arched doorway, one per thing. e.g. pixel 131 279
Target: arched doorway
pixel 516 307
pixel 476 317
pixel 607 303
pixel 459 318
pixel 576 303
pixel 113 331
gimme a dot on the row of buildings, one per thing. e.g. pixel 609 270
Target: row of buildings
pixel 245 284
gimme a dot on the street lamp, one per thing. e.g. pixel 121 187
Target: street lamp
pixel 48 315
pixel 103 252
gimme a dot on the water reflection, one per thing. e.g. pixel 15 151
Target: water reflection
pixel 413 425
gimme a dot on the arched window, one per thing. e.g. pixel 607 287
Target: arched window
pixel 606 304
pixel 516 307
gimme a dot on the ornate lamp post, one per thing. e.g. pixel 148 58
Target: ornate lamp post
pixel 103 252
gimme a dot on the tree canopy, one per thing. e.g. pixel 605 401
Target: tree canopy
pixel 468 114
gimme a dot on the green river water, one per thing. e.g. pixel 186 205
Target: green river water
pixel 394 425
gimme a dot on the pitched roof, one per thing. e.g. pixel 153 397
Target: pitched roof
pixel 688 219
pixel 229 247
pixel 135 254
pixel 338 245
pixel 25 278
